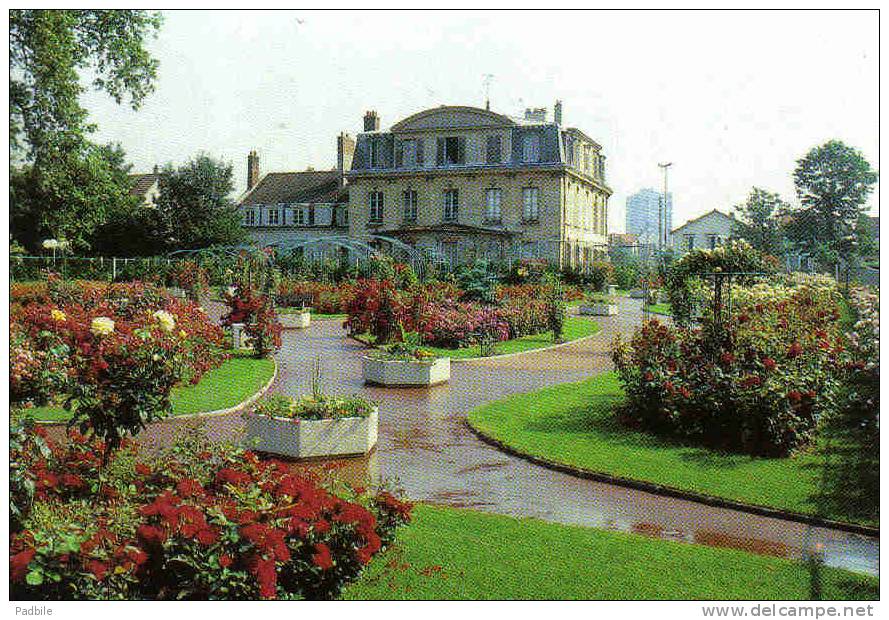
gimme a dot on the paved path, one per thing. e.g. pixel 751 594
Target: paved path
pixel 426 447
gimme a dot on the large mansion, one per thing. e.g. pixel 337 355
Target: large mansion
pixel 457 182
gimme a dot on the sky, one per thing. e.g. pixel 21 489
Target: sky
pixel 732 99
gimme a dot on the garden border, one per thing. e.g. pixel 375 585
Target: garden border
pixel 463 360
pixel 200 414
pixel 668 491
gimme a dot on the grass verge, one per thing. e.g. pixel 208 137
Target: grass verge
pixel 573 424
pixel 664 309
pixel 236 380
pixel 448 553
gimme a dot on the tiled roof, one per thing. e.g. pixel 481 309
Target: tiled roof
pixel 290 187
pixel 142 183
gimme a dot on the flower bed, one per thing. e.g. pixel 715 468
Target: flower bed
pixel 758 382
pixel 312 427
pixel 322 297
pixel 196 521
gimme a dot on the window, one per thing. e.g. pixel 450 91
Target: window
pixel 713 241
pixel 410 205
pixel 409 158
pixel 451 204
pixel 451 151
pixel 342 216
pixel 531 148
pixel 376 153
pixel 530 205
pixel 494 150
pixel 375 204
pixel 273 217
pixel 493 198
pixel 250 218
pixel 299 216
pixel 689 242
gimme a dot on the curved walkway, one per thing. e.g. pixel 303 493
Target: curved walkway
pixel 426 448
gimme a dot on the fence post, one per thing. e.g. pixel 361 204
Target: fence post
pixel 113 268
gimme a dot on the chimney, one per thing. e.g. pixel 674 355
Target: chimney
pixel 535 115
pixel 371 121
pixel 557 112
pixel 252 170
pixel 345 150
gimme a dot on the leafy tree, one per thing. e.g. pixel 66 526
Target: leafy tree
pixel 47 49
pixel 195 207
pixel 62 185
pixel 760 223
pixel 833 182
pixel 71 197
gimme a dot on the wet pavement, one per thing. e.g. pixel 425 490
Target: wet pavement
pixel 426 448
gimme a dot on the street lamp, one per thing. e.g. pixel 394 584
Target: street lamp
pixel 662 211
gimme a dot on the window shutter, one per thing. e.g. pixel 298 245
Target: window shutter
pixel 440 152
pixel 399 154
pixel 420 147
pixel 461 150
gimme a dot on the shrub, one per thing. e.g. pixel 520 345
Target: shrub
pixel 758 382
pixel 322 297
pixel 193 522
pixel 477 282
pixel 191 277
pixel 453 325
pixel 594 277
pixel 378 308
pixel 257 313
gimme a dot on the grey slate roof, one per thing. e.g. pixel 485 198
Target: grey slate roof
pixel 310 186
pixel 141 183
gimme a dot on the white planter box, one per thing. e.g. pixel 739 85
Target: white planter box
pixel 295 321
pixel 611 289
pixel 599 310
pixel 177 292
pixel 406 373
pixel 302 439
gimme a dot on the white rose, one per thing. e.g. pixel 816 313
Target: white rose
pixel 165 320
pixel 102 326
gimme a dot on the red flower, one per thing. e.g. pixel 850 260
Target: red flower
pixel 207 536
pixel 769 363
pixel 142 469
pixel 794 350
pixel 322 526
pixel 322 557
pixel 794 396
pixel 189 488
pixel 72 480
pixel 225 560
pixel 151 534
pixel 266 576
pixel 18 564
pixel 648 376
pixel 227 475
pixel 727 358
pixel 97 568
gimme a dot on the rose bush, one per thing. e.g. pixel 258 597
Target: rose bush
pixel 257 313
pixel 759 382
pixel 195 521
pixel 453 325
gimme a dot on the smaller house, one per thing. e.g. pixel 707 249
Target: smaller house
pixel 706 231
pixel 146 187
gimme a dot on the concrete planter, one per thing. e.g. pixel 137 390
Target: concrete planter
pixel 611 290
pixel 177 292
pixel 239 336
pixel 304 439
pixel 401 373
pixel 599 310
pixel 300 320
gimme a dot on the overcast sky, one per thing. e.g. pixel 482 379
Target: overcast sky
pixel 732 99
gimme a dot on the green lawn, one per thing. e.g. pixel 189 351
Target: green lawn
pixel 575 327
pixel 664 309
pixel 573 424
pixel 233 382
pixel 448 553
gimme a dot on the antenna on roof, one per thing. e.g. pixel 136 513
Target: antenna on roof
pixel 487 78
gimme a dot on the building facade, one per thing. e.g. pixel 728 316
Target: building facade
pixel 146 187
pixel 705 232
pixel 285 207
pixel 643 209
pixel 464 183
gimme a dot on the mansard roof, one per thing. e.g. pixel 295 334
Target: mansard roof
pixel 452 117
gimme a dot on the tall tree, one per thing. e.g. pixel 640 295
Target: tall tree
pixel 833 182
pixel 62 184
pixel 195 207
pixel 759 221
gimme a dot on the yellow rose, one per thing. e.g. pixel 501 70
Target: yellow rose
pixel 58 315
pixel 102 326
pixel 182 333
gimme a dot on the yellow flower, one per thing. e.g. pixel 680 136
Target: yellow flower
pixel 182 333
pixel 58 315
pixel 165 320
pixel 102 326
